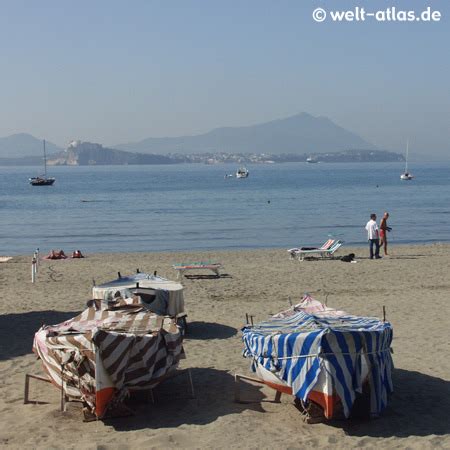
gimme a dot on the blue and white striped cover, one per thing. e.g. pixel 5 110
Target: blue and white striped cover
pixel 297 348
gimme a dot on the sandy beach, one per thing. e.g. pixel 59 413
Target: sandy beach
pixel 413 284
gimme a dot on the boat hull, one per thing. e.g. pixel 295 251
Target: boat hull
pixel 242 173
pixel 42 181
pixel 322 394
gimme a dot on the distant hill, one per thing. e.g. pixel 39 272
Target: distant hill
pixel 22 144
pixel 88 154
pixel 301 133
pixel 80 153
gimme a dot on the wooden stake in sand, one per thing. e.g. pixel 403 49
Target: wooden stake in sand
pixel 33 269
pixel 36 255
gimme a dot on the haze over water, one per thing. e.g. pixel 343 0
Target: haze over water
pixel 192 207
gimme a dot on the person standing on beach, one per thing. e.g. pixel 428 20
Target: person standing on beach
pixel 373 236
pixel 383 232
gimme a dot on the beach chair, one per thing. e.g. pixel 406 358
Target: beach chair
pixel 199 265
pixel 294 252
pixel 321 253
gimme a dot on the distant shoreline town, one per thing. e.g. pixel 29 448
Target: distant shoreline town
pixel 89 154
pixel 298 138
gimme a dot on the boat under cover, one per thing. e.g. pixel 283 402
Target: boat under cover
pixel 324 356
pixel 162 296
pixel 106 352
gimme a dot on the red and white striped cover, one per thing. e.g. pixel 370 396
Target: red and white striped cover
pixel 106 351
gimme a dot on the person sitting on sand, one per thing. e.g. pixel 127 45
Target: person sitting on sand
pixel 77 254
pixel 56 254
pixel 383 232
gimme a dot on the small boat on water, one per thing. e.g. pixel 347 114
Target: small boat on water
pixel 311 160
pixel 333 363
pixel 242 172
pixel 406 175
pixel 42 180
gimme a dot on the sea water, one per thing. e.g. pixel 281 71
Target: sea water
pixel 194 207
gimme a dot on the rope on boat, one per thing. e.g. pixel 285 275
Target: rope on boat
pixel 315 355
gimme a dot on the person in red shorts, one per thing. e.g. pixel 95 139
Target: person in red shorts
pixel 384 229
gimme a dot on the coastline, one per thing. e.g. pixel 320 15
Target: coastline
pixel 412 284
pixel 359 247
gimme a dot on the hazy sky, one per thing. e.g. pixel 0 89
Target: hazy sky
pixel 120 71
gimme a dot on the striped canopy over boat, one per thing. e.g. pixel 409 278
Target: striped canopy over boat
pixel 107 351
pixel 323 355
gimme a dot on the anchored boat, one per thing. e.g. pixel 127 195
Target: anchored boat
pixel 42 180
pixel 242 172
pixel 406 175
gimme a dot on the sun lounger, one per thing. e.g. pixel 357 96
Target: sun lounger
pixel 183 267
pixel 295 251
pixel 320 252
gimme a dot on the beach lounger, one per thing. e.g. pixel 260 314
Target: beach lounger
pixel 319 252
pixel 294 252
pixel 183 267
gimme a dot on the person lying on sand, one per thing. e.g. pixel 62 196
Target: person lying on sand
pixel 77 254
pixel 56 254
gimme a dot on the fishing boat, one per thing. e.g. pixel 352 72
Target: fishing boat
pixel 242 172
pixel 330 361
pixel 162 296
pixel 148 287
pixel 42 180
pixel 107 352
pixel 406 175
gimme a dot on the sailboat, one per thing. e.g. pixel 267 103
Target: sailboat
pixel 406 175
pixel 42 180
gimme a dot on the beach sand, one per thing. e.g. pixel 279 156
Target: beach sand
pixel 413 284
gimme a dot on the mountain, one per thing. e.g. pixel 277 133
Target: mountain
pixel 301 133
pixel 22 144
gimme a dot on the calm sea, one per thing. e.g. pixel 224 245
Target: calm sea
pixel 184 207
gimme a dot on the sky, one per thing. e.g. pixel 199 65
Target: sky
pixel 120 71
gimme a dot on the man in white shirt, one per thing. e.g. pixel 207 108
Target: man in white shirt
pixel 373 236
